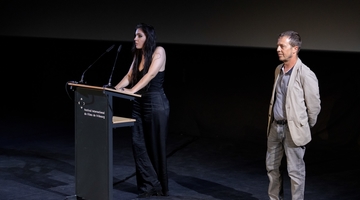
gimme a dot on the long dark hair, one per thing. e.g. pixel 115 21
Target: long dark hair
pixel 148 50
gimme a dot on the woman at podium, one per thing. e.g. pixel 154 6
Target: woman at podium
pixel 151 112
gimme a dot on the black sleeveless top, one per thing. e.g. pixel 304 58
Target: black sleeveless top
pixel 155 85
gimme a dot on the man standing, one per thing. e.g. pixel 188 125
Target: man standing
pixel 294 107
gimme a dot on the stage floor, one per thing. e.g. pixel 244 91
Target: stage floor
pixel 37 162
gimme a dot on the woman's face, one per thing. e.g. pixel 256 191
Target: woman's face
pixel 139 39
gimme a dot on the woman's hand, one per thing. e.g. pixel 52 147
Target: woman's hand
pixel 125 90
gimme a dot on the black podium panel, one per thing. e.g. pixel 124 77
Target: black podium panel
pixel 93 144
pixel 94 124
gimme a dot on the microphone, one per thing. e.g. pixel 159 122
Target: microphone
pixel 109 84
pixel 82 76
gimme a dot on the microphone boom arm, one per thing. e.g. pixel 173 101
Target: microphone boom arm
pixel 82 76
pixel 109 84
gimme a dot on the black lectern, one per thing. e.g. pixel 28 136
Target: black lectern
pixel 94 124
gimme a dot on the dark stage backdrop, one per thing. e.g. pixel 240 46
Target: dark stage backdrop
pixel 324 25
pixel 214 91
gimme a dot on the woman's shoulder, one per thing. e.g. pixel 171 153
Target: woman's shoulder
pixel 160 49
pixel 159 52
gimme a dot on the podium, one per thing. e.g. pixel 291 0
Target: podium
pixel 94 124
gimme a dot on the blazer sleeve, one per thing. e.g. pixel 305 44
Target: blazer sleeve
pixel 312 96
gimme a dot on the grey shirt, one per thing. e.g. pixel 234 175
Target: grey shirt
pixel 280 94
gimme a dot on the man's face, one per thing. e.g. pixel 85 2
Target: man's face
pixel 285 50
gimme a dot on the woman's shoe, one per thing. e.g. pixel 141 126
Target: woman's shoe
pixel 144 195
pixel 158 193
pixel 150 193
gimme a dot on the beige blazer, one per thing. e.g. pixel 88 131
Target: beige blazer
pixel 302 102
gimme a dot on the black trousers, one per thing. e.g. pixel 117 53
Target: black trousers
pixel 150 131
